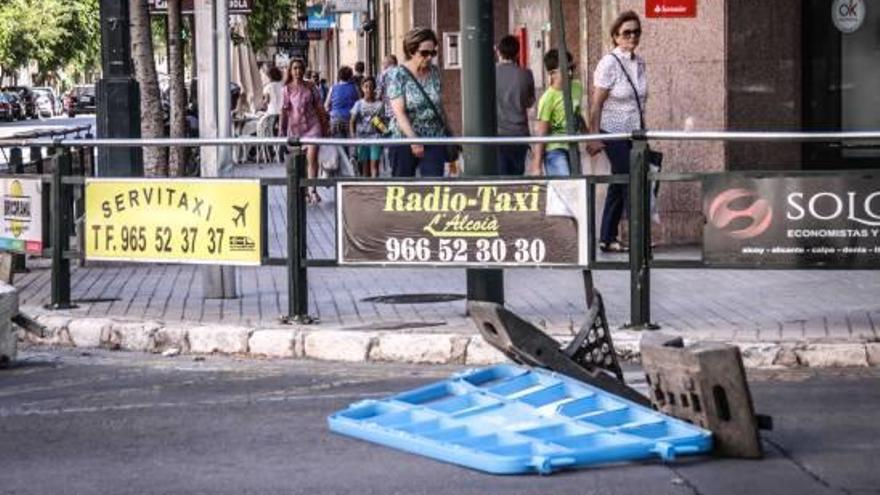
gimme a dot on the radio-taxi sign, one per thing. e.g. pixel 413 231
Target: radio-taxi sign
pixel 176 221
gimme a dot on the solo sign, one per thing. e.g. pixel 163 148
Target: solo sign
pixel 793 221
pixel 22 215
pixel 173 221
pixel 848 15
pixel 498 223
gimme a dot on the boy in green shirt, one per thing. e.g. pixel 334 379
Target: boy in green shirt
pixel 551 120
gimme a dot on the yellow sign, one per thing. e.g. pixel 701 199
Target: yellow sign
pixel 176 221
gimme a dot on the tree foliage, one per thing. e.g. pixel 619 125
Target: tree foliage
pixel 53 33
pixel 267 17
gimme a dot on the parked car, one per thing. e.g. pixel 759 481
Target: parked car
pixel 45 103
pixel 53 100
pixel 28 100
pixel 84 97
pixel 5 108
pixel 15 104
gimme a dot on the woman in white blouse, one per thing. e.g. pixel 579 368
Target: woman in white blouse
pixel 619 95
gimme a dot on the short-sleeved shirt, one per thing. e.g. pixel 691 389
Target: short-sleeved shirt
pixel 551 109
pixel 422 117
pixel 363 112
pixel 275 92
pixel 382 91
pixel 299 107
pixel 620 112
pixel 343 96
pixel 514 93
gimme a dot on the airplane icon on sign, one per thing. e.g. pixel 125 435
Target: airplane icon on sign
pixel 242 215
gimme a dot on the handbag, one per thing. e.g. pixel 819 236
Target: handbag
pixel 378 123
pixel 328 158
pixel 453 151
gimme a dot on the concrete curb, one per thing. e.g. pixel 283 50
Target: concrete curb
pixel 404 346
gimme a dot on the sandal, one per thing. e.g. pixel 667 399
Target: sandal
pixel 612 247
pixel 313 198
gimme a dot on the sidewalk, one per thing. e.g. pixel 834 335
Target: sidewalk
pixel 812 318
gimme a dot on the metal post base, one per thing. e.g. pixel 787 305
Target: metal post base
pixel 642 327
pixel 60 306
pixel 299 320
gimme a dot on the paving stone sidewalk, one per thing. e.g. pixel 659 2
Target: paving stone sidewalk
pixel 766 309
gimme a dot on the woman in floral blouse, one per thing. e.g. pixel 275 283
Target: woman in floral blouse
pixel 303 115
pixel 414 116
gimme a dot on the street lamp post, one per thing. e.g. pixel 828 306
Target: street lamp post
pixel 118 112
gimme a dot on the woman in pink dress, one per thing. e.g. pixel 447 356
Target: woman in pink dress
pixel 303 115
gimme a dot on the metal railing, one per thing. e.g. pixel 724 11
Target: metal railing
pixel 640 260
pixel 35 141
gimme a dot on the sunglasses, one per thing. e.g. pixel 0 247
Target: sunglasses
pixel 631 33
pixel 428 53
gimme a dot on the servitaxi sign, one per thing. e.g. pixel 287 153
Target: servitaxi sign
pixel 797 222
pixel 522 223
pixel 213 221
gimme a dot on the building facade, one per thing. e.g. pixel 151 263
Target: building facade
pixel 786 65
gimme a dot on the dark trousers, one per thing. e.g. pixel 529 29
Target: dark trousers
pixel 617 199
pixel 404 163
pixel 512 159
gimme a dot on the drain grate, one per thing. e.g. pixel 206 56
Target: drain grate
pixel 96 300
pixel 414 298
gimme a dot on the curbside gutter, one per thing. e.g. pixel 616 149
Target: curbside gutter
pixel 337 344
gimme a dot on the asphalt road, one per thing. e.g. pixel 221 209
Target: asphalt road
pixel 121 423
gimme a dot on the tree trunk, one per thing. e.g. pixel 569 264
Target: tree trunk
pixel 152 120
pixel 177 162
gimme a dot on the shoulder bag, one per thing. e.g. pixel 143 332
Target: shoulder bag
pixel 453 151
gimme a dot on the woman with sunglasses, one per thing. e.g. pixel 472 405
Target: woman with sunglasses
pixel 619 96
pixel 413 90
pixel 303 115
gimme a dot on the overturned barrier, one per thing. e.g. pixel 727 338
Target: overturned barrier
pixel 704 384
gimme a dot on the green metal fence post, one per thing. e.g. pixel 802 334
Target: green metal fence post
pixel 639 236
pixel 297 273
pixel 37 158
pixel 60 219
pixel 479 119
pixel 16 162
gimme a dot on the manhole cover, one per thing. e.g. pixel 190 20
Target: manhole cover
pixel 414 298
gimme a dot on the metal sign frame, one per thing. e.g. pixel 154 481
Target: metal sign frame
pixel 582 227
pixel 171 236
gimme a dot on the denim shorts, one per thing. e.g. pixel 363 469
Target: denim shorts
pixel 556 163
pixel 371 152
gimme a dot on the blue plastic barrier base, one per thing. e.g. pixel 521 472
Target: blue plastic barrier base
pixel 510 420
